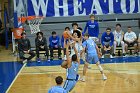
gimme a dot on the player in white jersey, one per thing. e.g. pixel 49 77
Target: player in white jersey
pixel 118 39
pixel 76 36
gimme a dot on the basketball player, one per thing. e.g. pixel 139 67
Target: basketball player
pixel 76 36
pixel 72 65
pixel 92 55
pixel 57 88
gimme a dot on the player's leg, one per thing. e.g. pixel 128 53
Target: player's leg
pixel 84 71
pixel 123 47
pixel 37 53
pixel 88 60
pixel 46 52
pixel 126 47
pixel 51 52
pixel 135 44
pixel 96 59
pixel 59 52
pixel 32 54
pixel 115 45
pixel 69 85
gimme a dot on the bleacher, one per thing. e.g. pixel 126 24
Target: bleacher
pixel 59 23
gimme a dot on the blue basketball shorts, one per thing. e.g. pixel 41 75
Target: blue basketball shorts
pixel 90 58
pixel 69 85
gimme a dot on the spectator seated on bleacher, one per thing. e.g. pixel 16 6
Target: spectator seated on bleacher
pixel 118 39
pixel 41 45
pixel 54 44
pixel 64 41
pixel 24 47
pixel 130 40
pixel 107 40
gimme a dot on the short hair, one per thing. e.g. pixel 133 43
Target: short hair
pixel 118 25
pixel 39 33
pixel 59 80
pixel 74 23
pixel 92 15
pixel 78 33
pixel 23 33
pixel 67 28
pixel 80 28
pixel 108 28
pixel 53 32
pixel 86 34
pixel 74 57
pixel 129 27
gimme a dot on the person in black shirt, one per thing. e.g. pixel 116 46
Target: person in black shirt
pixel 24 48
pixel 41 44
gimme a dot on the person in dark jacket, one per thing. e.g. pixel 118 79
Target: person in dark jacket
pixel 54 44
pixel 24 47
pixel 41 44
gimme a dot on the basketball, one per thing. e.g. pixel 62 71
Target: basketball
pixel 65 34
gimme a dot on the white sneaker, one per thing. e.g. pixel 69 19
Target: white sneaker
pixel 89 66
pixel 102 56
pixel 104 77
pixel 111 56
pixel 83 79
pixel 24 61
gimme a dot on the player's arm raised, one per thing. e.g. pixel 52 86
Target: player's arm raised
pixel 76 52
pixel 75 39
pixel 67 63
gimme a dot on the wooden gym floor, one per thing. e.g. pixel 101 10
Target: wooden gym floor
pixel 123 77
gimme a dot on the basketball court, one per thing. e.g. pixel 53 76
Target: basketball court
pixel 123 73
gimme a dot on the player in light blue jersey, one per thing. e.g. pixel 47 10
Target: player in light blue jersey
pixel 71 65
pixel 57 88
pixel 92 55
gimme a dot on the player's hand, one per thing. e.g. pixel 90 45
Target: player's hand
pixel 42 47
pixel 99 54
pixel 56 46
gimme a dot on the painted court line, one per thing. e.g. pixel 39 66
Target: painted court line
pixel 15 78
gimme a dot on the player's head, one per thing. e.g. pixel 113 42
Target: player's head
pixel 39 34
pixel 59 80
pixel 54 34
pixel 92 17
pixel 74 57
pixel 129 29
pixel 23 35
pixel 76 34
pixel 86 36
pixel 108 31
pixel 67 29
pixel 118 27
pixel 74 25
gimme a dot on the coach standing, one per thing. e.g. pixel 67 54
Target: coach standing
pixel 93 28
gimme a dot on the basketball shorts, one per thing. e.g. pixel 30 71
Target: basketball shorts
pixel 69 84
pixel 90 58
